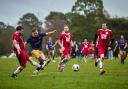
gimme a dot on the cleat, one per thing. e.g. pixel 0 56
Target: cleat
pixel 61 67
pixel 14 76
pixel 96 64
pixel 102 72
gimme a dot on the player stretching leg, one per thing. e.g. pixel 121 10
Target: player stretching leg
pixel 20 52
pixel 103 37
pixel 35 41
pixel 65 42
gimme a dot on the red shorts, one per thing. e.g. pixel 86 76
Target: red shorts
pixel 85 53
pixel 102 50
pixel 67 51
pixel 22 57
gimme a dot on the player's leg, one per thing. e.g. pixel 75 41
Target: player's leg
pixel 121 56
pixel 53 55
pixel 64 60
pixel 96 57
pixel 22 58
pixel 17 71
pixel 63 63
pixel 49 57
pixel 40 56
pixel 101 64
pixel 85 56
pixel 101 52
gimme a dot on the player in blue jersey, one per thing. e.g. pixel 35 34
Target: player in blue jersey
pixel 35 40
pixel 122 44
pixel 51 50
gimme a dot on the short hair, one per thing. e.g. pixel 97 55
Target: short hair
pixel 19 28
pixel 34 29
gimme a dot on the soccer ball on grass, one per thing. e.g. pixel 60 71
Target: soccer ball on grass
pixel 76 67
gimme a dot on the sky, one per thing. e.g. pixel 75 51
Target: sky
pixel 12 10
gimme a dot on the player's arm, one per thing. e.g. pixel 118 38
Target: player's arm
pixel 50 33
pixel 95 39
pixel 72 44
pixel 26 42
pixel 55 43
pixel 126 45
pixel 16 45
pixel 46 46
pixel 59 42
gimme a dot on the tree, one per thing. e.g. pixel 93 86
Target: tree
pixel 30 20
pixel 55 21
pixel 6 40
pixel 84 7
pixel 2 25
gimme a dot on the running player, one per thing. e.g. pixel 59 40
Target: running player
pixel 103 37
pixel 65 42
pixel 84 50
pixel 122 44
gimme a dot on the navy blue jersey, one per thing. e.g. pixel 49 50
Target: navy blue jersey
pixel 122 43
pixel 36 42
pixel 50 45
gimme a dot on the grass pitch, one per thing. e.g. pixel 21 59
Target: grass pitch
pixel 88 77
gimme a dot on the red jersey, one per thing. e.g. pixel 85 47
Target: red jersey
pixel 65 39
pixel 84 46
pixel 91 48
pixel 19 39
pixel 104 37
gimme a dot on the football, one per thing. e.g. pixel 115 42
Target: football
pixel 76 67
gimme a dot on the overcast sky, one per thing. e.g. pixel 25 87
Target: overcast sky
pixel 12 10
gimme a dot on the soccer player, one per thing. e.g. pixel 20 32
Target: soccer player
pixel 51 50
pixel 122 44
pixel 91 50
pixel 65 42
pixel 103 37
pixel 84 50
pixel 35 41
pixel 19 50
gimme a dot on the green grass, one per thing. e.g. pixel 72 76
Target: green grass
pixel 88 77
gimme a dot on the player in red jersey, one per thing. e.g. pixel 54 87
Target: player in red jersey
pixel 91 50
pixel 103 37
pixel 21 54
pixel 65 42
pixel 84 50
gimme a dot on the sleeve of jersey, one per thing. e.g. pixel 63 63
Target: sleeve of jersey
pixel 42 34
pixel 15 37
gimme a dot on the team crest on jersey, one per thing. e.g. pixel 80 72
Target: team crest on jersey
pixel 106 32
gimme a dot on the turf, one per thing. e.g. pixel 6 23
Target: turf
pixel 88 77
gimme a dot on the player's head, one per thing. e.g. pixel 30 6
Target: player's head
pixel 35 32
pixel 85 40
pixel 104 26
pixel 66 28
pixel 122 36
pixel 20 29
pixel 49 39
